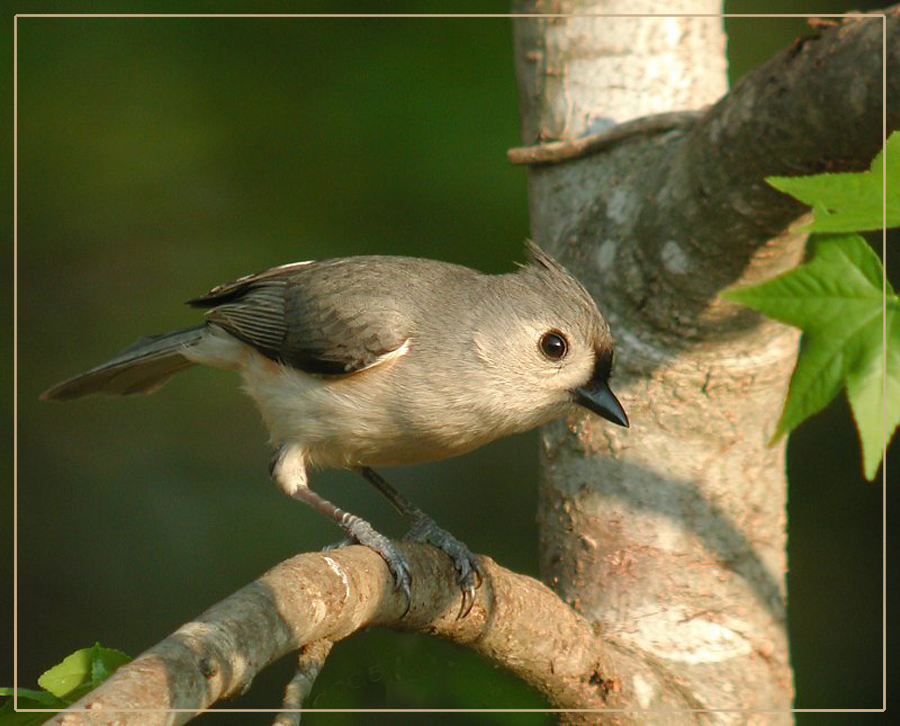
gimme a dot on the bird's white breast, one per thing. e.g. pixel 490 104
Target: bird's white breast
pixel 369 418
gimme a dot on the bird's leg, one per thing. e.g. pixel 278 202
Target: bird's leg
pixel 423 529
pixel 288 470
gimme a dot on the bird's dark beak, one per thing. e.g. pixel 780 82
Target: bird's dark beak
pixel 597 397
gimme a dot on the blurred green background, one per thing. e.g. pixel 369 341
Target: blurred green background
pixel 159 157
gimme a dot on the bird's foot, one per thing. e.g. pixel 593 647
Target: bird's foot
pixel 469 573
pixel 362 532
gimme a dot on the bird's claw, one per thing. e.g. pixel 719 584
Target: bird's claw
pixel 402 579
pixel 363 533
pixel 469 573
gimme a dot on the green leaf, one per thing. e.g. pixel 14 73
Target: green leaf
pixel 850 202
pixel 48 699
pixel 65 683
pixel 82 671
pixel 10 717
pixel 867 390
pixel 836 299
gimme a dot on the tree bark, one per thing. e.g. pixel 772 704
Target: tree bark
pixel 318 598
pixel 670 536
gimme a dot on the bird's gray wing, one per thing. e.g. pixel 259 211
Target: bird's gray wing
pixel 328 317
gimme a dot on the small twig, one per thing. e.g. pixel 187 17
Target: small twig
pixel 822 23
pixel 309 664
pixel 557 151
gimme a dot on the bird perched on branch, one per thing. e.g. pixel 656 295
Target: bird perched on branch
pixel 371 361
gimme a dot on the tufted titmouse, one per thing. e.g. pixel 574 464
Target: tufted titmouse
pixel 371 361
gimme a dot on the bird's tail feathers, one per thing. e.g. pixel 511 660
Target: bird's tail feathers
pixel 142 367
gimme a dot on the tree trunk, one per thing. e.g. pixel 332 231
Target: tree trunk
pixel 670 535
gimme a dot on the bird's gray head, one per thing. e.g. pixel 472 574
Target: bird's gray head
pixel 552 348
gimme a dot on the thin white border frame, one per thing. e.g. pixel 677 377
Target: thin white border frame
pixel 873 15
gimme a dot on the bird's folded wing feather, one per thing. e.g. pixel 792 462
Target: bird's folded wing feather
pixel 328 317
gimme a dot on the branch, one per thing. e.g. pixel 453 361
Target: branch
pixel 814 107
pixel 695 198
pixel 309 665
pixel 566 150
pixel 516 622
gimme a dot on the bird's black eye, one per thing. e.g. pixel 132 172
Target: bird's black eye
pixel 553 345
